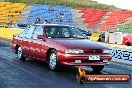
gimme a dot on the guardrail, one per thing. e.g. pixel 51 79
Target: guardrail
pixel 7 33
pixel 121 56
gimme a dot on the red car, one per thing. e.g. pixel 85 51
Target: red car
pixel 127 40
pixel 60 45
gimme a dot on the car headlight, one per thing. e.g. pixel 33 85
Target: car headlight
pixel 74 51
pixel 106 51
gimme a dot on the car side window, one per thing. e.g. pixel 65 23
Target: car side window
pixel 65 32
pixel 30 32
pixel 37 31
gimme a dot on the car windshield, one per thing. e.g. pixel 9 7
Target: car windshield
pixel 63 32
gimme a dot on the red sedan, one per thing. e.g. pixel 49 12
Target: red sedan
pixel 127 40
pixel 60 45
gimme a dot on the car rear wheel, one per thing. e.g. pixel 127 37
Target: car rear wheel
pixel 97 69
pixel 53 61
pixel 20 54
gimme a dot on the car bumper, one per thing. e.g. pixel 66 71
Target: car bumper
pixel 70 60
pixel 83 64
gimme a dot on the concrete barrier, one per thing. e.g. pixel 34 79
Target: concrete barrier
pixel 121 56
pixel 5 43
pixel 8 33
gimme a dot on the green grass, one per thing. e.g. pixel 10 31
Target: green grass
pixel 126 29
pixel 72 3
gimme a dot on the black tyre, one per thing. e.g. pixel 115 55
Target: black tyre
pixel 53 62
pixel 97 69
pixel 128 44
pixel 20 54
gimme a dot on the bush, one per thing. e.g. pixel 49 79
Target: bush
pixel 71 3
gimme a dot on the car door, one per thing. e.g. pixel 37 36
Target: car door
pixel 37 44
pixel 27 40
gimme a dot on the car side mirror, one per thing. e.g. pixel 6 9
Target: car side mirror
pixel 41 37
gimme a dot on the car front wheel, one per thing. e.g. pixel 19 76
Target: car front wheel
pixel 20 54
pixel 53 61
pixel 97 69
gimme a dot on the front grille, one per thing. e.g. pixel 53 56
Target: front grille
pixel 91 61
pixel 95 60
pixel 93 51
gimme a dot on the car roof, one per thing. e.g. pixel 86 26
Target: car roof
pixel 51 25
